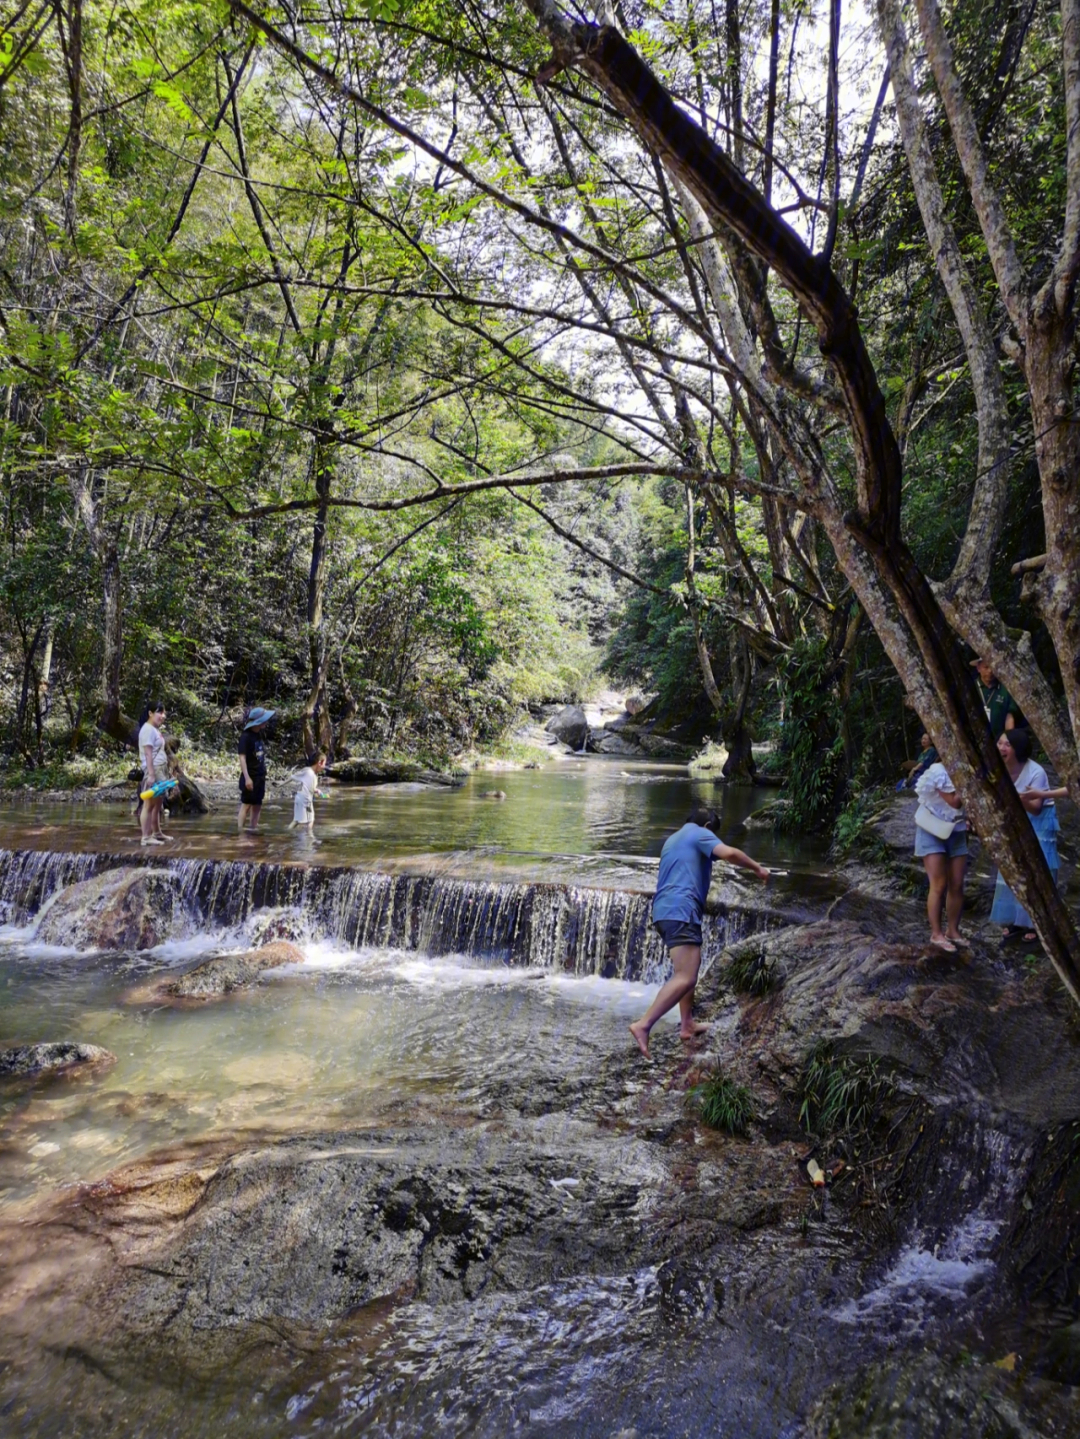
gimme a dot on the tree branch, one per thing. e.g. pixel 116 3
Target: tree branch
pixel 993 222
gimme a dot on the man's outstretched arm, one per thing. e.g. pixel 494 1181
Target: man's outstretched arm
pixel 736 856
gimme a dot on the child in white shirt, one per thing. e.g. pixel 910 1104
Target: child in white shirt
pixel 304 799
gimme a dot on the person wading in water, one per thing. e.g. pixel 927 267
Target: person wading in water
pixel 682 888
pixel 252 752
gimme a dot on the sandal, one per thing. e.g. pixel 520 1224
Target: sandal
pixel 945 944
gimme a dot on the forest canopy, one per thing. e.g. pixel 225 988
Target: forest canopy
pixel 411 363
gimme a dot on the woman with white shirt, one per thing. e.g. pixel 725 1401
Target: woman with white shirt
pixel 1033 789
pixel 944 857
pixel 155 767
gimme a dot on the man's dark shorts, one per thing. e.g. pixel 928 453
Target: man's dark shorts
pixel 678 931
pixel 256 794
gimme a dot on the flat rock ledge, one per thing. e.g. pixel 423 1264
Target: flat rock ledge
pixel 60 1055
pixel 375 771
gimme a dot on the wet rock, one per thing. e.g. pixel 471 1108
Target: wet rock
pixel 491 794
pixel 1061 1357
pixel 602 741
pixel 359 770
pixel 570 726
pixel 659 746
pixel 61 1055
pixel 226 972
pixel 958 1024
pixel 308 1231
pixel 926 1398
pixel 121 909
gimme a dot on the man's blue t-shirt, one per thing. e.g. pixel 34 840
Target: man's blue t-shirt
pixel 682 886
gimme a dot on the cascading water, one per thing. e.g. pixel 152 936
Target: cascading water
pixel 578 930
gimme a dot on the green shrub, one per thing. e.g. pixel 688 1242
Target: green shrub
pixel 811 744
pixel 851 832
pixel 841 1094
pixel 723 1104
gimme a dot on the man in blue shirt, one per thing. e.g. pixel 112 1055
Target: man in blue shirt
pixel 682 887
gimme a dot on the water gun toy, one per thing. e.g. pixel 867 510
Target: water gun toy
pixel 163 786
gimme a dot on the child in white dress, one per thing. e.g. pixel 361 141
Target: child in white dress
pixel 304 799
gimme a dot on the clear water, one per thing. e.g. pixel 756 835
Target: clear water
pixel 393 1041
pixel 347 1039
pixel 591 821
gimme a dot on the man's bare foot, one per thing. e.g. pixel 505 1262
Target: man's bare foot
pixel 692 1030
pixel 641 1037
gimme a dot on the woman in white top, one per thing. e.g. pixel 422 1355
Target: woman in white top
pixel 155 767
pixel 304 799
pixel 1033 789
pixel 945 860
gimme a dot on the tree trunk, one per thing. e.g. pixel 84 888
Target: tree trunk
pixel 739 767
pixel 1050 360
pixel 113 721
pixel 190 799
pixel 909 622
pixel 965 596
pixel 318 732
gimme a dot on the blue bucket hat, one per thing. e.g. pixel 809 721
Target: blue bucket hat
pixel 259 716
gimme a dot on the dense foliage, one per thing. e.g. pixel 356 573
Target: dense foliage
pixel 262 348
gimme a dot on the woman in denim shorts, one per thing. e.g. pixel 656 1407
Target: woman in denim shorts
pixel 945 860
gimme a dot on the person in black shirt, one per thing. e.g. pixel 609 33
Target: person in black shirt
pixel 252 752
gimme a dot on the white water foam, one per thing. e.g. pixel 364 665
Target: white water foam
pixel 23 938
pixel 629 998
pixel 921 1279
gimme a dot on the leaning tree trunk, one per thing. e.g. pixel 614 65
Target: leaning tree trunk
pixel 907 617
pixel 190 798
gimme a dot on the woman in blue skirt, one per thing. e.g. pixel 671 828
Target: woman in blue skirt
pixel 1033 788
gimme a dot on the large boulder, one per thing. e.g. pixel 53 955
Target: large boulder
pixel 226 972
pixel 602 741
pixel 119 909
pixel 656 745
pixel 570 726
pixel 62 1055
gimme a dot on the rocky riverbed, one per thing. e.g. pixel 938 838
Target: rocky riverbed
pixel 509 1222
pixel 559 1245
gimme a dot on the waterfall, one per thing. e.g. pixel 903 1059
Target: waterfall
pixel 28 877
pixel 583 931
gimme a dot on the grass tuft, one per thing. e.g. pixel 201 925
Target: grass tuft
pixel 841 1094
pixel 723 1104
pixel 749 971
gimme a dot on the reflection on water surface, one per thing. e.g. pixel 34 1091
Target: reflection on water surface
pixel 591 820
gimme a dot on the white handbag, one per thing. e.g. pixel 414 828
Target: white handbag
pixel 939 828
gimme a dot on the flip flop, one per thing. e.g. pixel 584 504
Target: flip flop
pixel 945 944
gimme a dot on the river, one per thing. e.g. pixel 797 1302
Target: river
pixel 421 1183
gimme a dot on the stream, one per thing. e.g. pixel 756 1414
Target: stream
pixel 419 1183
